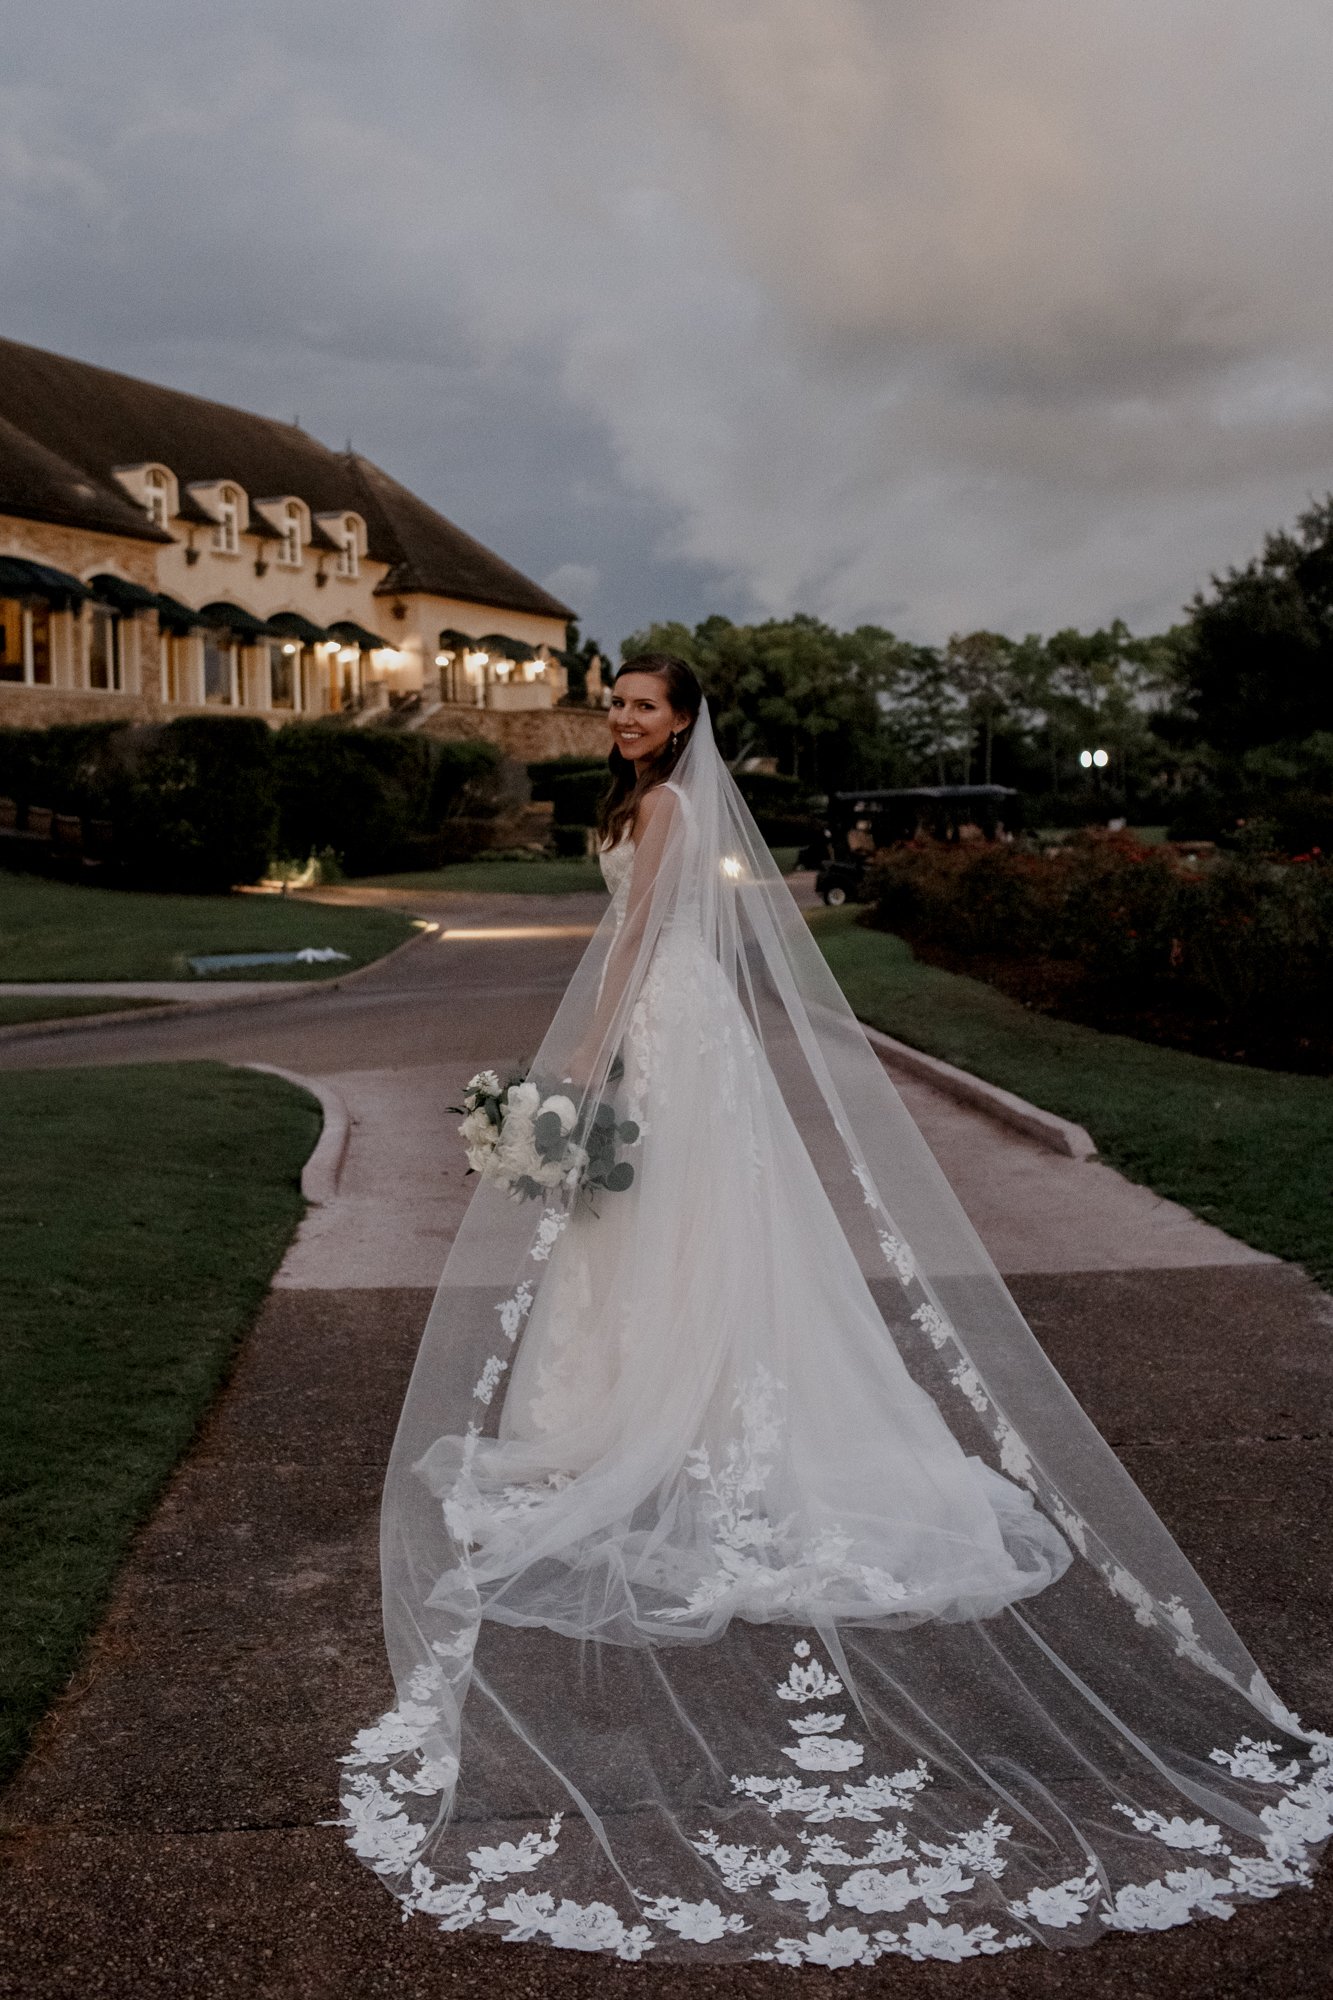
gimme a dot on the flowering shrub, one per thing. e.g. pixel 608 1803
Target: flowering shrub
pixel 1243 938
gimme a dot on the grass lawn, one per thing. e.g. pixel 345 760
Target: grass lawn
pixel 553 877
pixel 14 1010
pixel 142 1213
pixel 556 877
pixel 61 930
pixel 1250 1150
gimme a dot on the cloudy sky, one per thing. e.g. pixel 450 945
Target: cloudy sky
pixel 930 312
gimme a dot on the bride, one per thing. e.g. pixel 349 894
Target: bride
pixel 753 1585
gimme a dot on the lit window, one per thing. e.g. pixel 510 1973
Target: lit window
pixel 292 525
pixel 227 533
pixel 219 668
pixel 103 648
pixel 158 488
pixel 349 554
pixel 284 661
pixel 39 644
pixel 11 640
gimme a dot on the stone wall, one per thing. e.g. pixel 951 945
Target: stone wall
pixel 41 707
pixel 525 734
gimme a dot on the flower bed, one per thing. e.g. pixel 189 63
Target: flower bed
pixel 1231 958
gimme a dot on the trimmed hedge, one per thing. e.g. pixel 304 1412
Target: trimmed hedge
pixel 204 802
pixel 1247 939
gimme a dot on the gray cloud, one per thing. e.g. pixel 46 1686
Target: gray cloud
pixel 933 314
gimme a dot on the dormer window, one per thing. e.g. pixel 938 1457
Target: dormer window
pixel 349 551
pixel 227 533
pixel 293 535
pixel 157 496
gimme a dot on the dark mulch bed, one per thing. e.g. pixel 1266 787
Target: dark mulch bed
pixel 1060 987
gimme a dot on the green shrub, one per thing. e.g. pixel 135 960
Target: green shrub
pixel 575 796
pixel 379 799
pixel 1247 937
pixel 191 802
pixel 545 770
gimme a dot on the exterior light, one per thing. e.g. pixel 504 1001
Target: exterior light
pixel 1101 759
pixel 289 650
pixel 1085 759
pixel 347 655
pixel 443 659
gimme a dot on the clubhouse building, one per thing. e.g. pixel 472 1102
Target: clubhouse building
pixel 162 554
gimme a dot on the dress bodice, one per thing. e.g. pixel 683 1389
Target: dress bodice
pixel 616 863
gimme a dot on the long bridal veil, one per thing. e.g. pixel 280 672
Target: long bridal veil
pixel 753 1585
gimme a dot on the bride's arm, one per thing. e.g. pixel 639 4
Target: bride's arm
pixel 656 816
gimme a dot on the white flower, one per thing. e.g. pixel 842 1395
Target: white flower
pixel 1251 1759
pixel 804 1886
pixel 933 1323
pixel 564 1109
pixel 697 1923
pixel 825 1753
pixel 1191 1833
pixel 951 1942
pixel 1160 1906
pixel 488 1381
pixel 454 1903
pixel 485 1081
pixel 492 1864
pixel 1014 1457
pixel 837 1946
pixel 1062 1904
pixel 1127 1586
pixel 871 1891
pixel 817 1724
pixel 808 1683
pixel 401 1730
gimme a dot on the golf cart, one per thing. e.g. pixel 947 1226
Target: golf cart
pixel 856 823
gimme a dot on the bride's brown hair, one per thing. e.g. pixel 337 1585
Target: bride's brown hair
pixel 629 781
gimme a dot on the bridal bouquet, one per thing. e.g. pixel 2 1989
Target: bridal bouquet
pixel 530 1142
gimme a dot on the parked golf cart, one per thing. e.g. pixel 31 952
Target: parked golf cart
pixel 856 823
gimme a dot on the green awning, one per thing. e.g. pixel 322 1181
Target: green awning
pixel 507 648
pixel 242 624
pixel 353 634
pixel 123 595
pixel 452 641
pixel 173 616
pixel 291 625
pixel 21 578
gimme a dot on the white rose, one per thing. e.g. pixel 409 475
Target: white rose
pixel 523 1098
pixel 564 1110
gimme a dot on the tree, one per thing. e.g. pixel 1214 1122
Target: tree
pixel 979 666
pixel 792 689
pixel 1259 661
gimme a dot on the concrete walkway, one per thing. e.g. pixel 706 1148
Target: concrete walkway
pixel 167 1836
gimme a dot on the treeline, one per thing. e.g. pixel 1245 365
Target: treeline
pixel 202 802
pixel 1223 720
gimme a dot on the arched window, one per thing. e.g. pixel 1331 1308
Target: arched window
pixel 227 533
pixel 293 529
pixel 349 551
pixel 157 494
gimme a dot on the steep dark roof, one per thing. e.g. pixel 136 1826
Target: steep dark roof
pixel 64 426
pixel 42 486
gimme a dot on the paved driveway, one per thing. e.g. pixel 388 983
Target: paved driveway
pixel 166 1838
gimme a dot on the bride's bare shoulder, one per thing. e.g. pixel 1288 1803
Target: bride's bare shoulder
pixel 665 798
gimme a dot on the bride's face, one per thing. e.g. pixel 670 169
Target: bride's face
pixel 641 716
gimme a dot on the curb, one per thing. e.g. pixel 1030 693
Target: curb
pixel 1057 1135
pixel 319 1175
pixel 22 1031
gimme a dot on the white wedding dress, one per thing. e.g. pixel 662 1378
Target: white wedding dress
pixel 753 1586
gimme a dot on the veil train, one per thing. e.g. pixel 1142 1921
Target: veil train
pixel 753 1585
